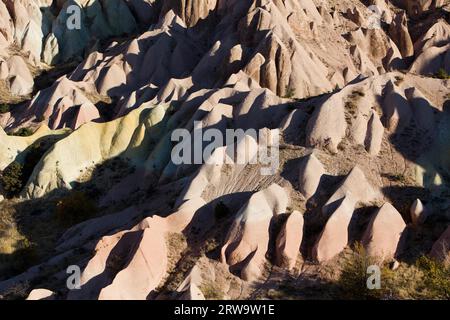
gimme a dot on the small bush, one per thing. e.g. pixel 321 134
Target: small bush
pixel 212 291
pixel 425 279
pixel 398 178
pixel 436 278
pixel 12 179
pixel 16 175
pixel 4 108
pixel 399 80
pixel 352 282
pixel 74 208
pixel 23 132
pixel 442 74
pixel 40 118
pixel 290 93
pixel 357 93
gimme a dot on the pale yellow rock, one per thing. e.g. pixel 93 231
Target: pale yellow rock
pixel 91 144
pixel 12 147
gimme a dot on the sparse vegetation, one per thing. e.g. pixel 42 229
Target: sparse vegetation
pixel 399 80
pixel 436 280
pixel 351 106
pixel 425 279
pixel 352 282
pixel 442 74
pixel 351 111
pixel 16 175
pixel 342 145
pixel 23 132
pixel 16 250
pixel 287 290
pixel 337 88
pixel 400 177
pixel 211 245
pixel 176 245
pixel 12 179
pixel 211 291
pixel 290 93
pixel 4 108
pixel 9 232
pixel 18 291
pixel 357 93
pixel 40 118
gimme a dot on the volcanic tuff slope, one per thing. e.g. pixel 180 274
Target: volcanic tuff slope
pixel 360 99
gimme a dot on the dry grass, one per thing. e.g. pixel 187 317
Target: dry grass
pixel 95 98
pixel 425 279
pixel 351 106
pixel 176 245
pixel 18 291
pixel 211 290
pixel 7 98
pixel 5 95
pixel 16 250
pixel 10 237
pixel 399 80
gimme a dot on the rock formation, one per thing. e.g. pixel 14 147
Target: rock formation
pixel 382 237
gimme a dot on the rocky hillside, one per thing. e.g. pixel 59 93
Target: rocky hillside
pixel 351 100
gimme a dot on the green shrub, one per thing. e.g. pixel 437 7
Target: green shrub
pixel 40 118
pixel 442 74
pixel 23 132
pixel 16 175
pixel 212 291
pixel 436 280
pixel 12 179
pixel 352 282
pixel 4 108
pixel 75 208
pixel 290 93
pixel 425 279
